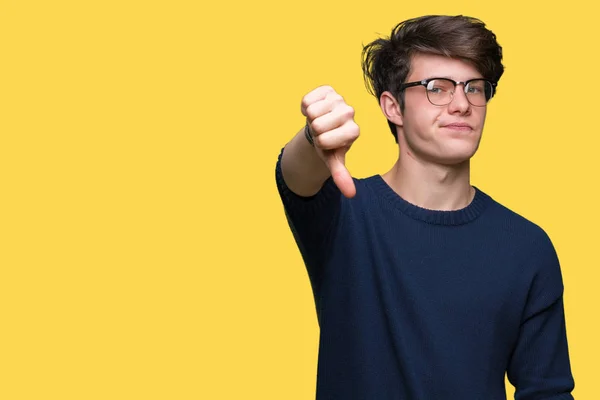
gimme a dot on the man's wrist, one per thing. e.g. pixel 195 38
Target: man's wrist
pixel 308 136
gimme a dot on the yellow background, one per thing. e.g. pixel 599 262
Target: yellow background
pixel 144 253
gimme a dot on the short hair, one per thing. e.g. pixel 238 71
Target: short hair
pixel 386 61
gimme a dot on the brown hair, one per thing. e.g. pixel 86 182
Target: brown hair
pixel 386 61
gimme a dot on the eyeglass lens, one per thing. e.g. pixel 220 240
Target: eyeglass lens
pixel 440 91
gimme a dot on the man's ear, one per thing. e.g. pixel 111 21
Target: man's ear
pixel 391 108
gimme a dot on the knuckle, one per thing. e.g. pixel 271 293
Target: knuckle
pixel 352 131
pixel 335 98
pixel 316 127
pixel 345 113
pixel 325 142
pixel 355 129
pixel 310 112
pixel 350 112
pixel 320 142
pixel 304 104
pixel 323 92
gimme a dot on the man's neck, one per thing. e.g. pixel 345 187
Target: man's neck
pixel 431 186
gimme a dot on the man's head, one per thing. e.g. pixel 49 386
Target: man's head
pixel 456 47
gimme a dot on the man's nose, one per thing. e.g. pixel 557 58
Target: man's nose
pixel 459 100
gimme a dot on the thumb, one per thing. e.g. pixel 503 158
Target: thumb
pixel 341 176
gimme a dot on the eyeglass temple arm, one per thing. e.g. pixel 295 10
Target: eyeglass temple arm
pixel 411 84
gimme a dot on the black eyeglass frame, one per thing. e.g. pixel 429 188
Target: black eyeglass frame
pixel 425 82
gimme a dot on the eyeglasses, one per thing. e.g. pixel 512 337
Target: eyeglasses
pixel 440 91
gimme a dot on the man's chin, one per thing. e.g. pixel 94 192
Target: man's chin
pixel 455 158
pixel 458 152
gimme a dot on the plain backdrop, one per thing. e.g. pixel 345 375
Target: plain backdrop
pixel 144 253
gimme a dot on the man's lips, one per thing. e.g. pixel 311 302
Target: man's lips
pixel 458 127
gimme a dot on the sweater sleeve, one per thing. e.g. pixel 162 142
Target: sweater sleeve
pixel 539 367
pixel 311 220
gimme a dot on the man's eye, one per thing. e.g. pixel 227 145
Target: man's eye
pixel 474 90
pixel 436 90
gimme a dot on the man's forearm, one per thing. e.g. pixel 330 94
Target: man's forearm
pixel 303 171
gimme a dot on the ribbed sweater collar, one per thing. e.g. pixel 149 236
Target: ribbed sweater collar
pixel 436 217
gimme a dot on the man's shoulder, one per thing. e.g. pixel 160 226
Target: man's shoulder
pixel 522 228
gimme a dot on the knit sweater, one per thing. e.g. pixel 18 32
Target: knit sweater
pixel 419 304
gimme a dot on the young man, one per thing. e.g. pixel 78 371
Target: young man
pixel 425 287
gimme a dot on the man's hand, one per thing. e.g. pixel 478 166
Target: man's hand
pixel 331 123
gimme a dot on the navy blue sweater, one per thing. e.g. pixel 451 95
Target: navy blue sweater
pixel 418 304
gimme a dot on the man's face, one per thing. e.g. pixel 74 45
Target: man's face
pixel 424 125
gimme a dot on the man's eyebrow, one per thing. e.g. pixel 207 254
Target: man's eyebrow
pixel 436 77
